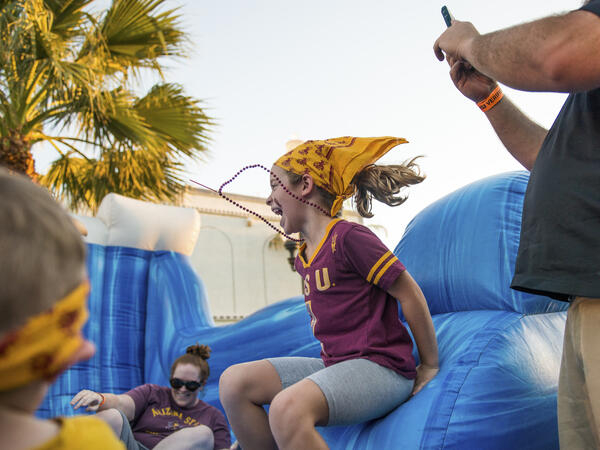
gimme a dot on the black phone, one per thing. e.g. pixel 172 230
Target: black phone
pixel 447 16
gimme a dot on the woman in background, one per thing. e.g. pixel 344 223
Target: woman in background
pixel 159 417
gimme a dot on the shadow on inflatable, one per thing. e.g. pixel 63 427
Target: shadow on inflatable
pixel 499 349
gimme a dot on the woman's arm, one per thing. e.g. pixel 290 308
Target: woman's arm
pixel 416 312
pixel 93 401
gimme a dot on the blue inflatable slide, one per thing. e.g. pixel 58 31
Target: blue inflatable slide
pixel 499 349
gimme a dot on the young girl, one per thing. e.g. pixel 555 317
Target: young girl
pixel 351 281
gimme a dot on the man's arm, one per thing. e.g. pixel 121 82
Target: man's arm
pixel 558 53
pixel 521 136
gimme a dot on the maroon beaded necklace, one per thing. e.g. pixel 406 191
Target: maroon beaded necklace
pixel 243 208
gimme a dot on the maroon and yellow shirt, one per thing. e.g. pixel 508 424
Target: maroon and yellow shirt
pixel 345 291
pixel 157 416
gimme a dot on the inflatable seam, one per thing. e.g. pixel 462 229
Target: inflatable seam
pixel 456 378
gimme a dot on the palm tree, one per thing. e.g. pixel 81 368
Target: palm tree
pixel 68 78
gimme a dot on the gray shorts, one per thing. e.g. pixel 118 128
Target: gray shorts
pixel 127 436
pixel 356 390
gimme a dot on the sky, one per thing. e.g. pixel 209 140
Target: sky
pixel 273 70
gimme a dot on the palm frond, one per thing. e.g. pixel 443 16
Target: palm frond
pixel 136 34
pixel 115 120
pixel 69 16
pixel 68 179
pixel 63 79
pixel 84 183
pixel 177 119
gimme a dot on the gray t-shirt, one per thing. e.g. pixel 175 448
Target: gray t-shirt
pixel 559 251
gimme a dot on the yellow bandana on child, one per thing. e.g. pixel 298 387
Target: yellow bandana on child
pixel 44 345
pixel 333 163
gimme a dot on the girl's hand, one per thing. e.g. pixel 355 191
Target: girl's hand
pixel 87 398
pixel 425 374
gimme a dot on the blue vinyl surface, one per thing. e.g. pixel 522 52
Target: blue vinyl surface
pixel 499 349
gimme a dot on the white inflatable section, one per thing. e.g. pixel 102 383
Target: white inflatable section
pixel 126 222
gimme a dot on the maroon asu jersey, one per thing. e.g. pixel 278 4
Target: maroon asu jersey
pixel 345 291
pixel 158 416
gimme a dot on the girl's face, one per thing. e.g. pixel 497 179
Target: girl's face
pixel 182 395
pixel 283 204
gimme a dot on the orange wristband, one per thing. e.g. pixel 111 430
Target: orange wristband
pixel 103 399
pixel 492 100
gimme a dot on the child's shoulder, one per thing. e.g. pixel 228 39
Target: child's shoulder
pixel 347 235
pixel 343 227
pixel 343 224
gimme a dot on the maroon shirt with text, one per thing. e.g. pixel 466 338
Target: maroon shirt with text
pixel 157 416
pixel 345 291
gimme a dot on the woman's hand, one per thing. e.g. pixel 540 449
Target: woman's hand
pixel 90 399
pixel 425 373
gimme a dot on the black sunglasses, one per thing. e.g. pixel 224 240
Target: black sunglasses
pixel 176 383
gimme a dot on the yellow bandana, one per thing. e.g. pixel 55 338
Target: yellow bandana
pixel 333 163
pixel 43 346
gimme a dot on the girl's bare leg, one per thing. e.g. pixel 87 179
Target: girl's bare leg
pixel 243 389
pixel 295 412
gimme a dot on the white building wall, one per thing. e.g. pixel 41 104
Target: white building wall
pixel 241 271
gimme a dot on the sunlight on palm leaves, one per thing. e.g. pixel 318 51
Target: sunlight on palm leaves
pixel 68 78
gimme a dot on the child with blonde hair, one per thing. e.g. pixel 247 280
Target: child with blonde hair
pixel 43 294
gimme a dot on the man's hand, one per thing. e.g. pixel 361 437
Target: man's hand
pixel 472 84
pixel 425 374
pixel 455 41
pixel 452 45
